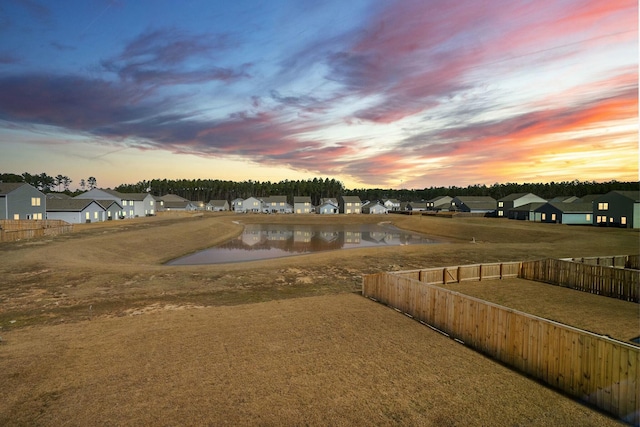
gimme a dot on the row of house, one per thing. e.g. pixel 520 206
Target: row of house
pixel 23 201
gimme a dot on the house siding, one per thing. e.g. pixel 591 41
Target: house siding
pixel 622 210
pixel 17 203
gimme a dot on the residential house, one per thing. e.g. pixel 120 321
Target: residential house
pixel 133 204
pixel 439 203
pixel 276 204
pixel 173 202
pixel 328 206
pixel 251 205
pixel 76 211
pixel 618 209
pixel 302 204
pixel 566 213
pixel 474 204
pixel 217 205
pixel 416 206
pixel 113 210
pixel 506 204
pixel 350 205
pixel 392 205
pixel 235 203
pixel 374 207
pixel 20 200
pixel 526 212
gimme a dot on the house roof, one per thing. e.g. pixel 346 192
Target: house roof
pixel 176 204
pixel 8 187
pixel 302 199
pixel 633 195
pixel 69 205
pixel 351 199
pixel 58 196
pixel 275 199
pixel 569 207
pixel 218 203
pixel 528 207
pixel 587 198
pixel 107 203
pixel 516 196
pixel 172 198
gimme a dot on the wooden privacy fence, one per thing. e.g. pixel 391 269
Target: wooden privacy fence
pixel 622 261
pixel 13 230
pixel 461 273
pixel 621 283
pixel 598 370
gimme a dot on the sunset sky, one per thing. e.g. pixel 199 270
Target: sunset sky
pixel 390 94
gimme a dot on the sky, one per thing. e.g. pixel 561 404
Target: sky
pixel 377 94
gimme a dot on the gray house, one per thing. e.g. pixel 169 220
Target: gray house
pixel 392 205
pixel 76 211
pixel 374 208
pixel 618 209
pixel 566 213
pixel 350 205
pixel 439 203
pixel 248 205
pixel 123 199
pixel 276 204
pixel 21 201
pixel 474 204
pixel 506 204
pixel 218 205
pixel 328 206
pixel 416 206
pixel 526 212
pixel 112 209
pixel 302 204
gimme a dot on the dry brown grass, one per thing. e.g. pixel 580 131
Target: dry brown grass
pixel 95 330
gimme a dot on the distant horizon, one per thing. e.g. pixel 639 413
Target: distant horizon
pixel 393 93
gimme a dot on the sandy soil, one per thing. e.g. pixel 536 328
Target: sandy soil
pixel 96 331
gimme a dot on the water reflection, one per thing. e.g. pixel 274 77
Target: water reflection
pixel 265 241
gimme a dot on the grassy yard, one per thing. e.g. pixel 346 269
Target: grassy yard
pixel 96 330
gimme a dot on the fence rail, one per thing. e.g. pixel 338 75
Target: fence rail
pixel 621 283
pixel 598 370
pixel 622 261
pixel 463 273
pixel 13 230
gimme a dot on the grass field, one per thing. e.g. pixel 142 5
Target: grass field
pixel 97 331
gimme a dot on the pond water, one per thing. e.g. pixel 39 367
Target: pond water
pixel 266 241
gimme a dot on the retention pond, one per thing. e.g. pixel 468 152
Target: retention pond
pixel 267 241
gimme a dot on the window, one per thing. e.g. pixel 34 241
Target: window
pixel 553 217
pixel 623 220
pixel 500 204
pixel 37 216
pixel 16 216
pixel 500 213
pixel 544 216
pixel 87 216
pixel 603 206
pixel 588 217
pixel 95 215
pixel 35 201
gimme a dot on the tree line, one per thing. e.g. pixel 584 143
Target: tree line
pixel 317 188
pixel 47 184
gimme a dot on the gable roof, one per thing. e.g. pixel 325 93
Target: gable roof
pixel 69 205
pixel 351 199
pixel 633 195
pixel 516 196
pixel 218 203
pixel 172 198
pixel 569 207
pixel 107 203
pixel 8 187
pixel 301 199
pixel 275 199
